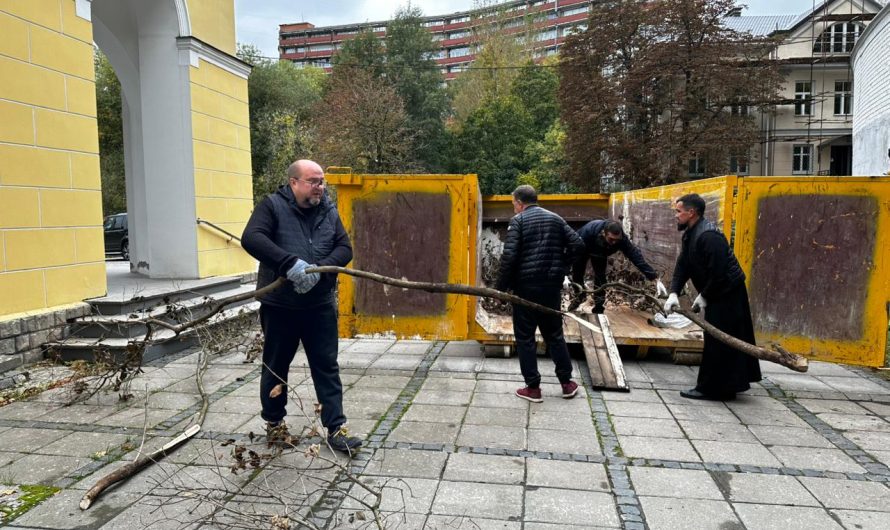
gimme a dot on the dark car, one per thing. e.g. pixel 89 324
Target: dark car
pixel 117 240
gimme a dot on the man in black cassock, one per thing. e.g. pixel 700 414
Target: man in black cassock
pixel 707 259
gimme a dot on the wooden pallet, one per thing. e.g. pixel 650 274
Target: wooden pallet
pixel 603 361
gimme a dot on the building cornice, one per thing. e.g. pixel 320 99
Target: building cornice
pixel 192 49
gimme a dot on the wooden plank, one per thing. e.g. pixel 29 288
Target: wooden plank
pixel 602 355
pixel 593 362
pixel 614 358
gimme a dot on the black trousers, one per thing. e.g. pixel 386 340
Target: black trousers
pixel 284 329
pixel 526 321
pixel 598 264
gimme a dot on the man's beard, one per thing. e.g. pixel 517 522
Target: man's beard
pixel 682 226
pixel 314 201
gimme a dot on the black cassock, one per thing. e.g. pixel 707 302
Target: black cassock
pixel 709 262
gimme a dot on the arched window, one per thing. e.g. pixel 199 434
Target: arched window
pixel 838 38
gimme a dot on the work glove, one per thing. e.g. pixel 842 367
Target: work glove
pixel 672 303
pixel 660 290
pixel 303 282
pixel 699 303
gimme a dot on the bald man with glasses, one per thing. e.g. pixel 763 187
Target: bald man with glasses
pixel 295 228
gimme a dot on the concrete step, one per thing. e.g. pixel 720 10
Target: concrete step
pixel 121 325
pixel 163 341
pixel 151 297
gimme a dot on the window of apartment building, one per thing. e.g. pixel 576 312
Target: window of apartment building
pixel 431 23
pixel 546 35
pixel 802 159
pixel 299 64
pixel 696 167
pixel 738 163
pixel 458 52
pixel 379 29
pixel 290 50
pixel 843 98
pixel 438 54
pixel 301 49
pixel 574 11
pixel 321 48
pixel 458 34
pixel 457 68
pixel 459 20
pixel 838 38
pixel 739 108
pixel 803 93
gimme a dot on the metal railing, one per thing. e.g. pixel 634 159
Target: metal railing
pixel 231 236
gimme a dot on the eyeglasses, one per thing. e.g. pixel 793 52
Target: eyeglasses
pixel 315 183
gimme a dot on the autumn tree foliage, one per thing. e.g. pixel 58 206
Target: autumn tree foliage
pixel 659 92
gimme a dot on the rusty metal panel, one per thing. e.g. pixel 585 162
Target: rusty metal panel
pixel 648 217
pixel 405 234
pixel 416 227
pixel 815 250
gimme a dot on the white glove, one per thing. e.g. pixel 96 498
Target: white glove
pixel 660 290
pixel 699 304
pixel 671 304
pixel 303 282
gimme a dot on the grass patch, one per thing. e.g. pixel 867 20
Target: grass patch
pixel 16 500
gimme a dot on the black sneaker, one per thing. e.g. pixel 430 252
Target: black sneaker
pixel 277 435
pixel 340 440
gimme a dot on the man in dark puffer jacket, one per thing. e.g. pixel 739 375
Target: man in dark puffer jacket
pixel 290 229
pixel 538 249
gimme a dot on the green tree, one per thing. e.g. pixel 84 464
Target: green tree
pixel 547 162
pixel 412 70
pixel 111 136
pixel 492 143
pixel 281 101
pixel 363 52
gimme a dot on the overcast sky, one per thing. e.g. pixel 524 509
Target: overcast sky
pixel 256 21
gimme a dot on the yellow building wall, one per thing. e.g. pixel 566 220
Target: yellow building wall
pixel 51 246
pixel 223 182
pixel 213 21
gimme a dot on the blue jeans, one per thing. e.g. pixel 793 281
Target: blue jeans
pixel 284 329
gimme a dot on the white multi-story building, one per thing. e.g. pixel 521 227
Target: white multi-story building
pixel 811 134
pixel 871 96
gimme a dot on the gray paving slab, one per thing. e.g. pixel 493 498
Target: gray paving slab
pixel 703 413
pixel 776 418
pixel 450 384
pixel 848 494
pixel 816 458
pixel 408 495
pixel 638 409
pixel 566 475
pixel 798 436
pixel 880 409
pixel 792 382
pixel 410 347
pixel 862 520
pixel 425 432
pixel 468 365
pixel 850 422
pixel 136 418
pixel 869 440
pixel 772 517
pixel 500 417
pixel 443 397
pixel 496 386
pixel 492 436
pixel 27 410
pixel 86 444
pixel 552 505
pixel 511 366
pixel 369 346
pixel 61 512
pixel 505 400
pixel 469 467
pixel 563 442
pixel 380 381
pixel 725 432
pixel 641 395
pixel 29 440
pixel 386 395
pixel 177 401
pixel 658 448
pixel 881 456
pixel 41 469
pixel 750 454
pixel 471 499
pixel 764 489
pixel 677 483
pixel 662 428
pixel 832 405
pixel 634 373
pixel 397 362
pixel 158 513
pixel 437 413
pixel 453 522
pixel 665 513
pixel 466 348
pixel 578 421
pixel 852 384
pixel 747 401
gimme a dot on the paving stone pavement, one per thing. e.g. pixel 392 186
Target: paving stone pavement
pixel 448 446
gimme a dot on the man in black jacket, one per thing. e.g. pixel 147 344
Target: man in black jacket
pixel 602 238
pixel 291 230
pixel 537 252
pixel 707 259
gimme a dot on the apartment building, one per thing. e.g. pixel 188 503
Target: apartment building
pixel 548 21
